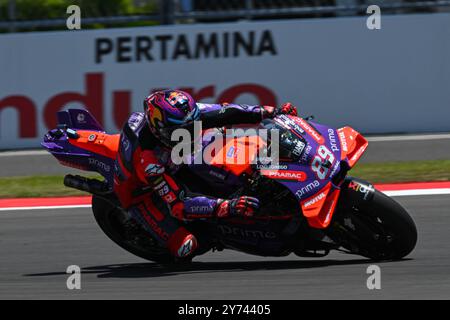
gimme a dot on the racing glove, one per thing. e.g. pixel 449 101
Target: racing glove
pixel 287 109
pixel 239 207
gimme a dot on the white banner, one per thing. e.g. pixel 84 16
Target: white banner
pixel 391 80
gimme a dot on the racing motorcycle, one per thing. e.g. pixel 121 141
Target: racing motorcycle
pixel 309 204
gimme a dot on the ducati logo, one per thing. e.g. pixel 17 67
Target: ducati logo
pixel 81 118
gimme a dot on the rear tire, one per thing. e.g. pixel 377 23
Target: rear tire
pixel 108 215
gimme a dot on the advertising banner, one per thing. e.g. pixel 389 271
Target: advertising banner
pixel 378 81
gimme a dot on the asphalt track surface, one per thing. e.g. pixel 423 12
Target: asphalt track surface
pixel 36 247
pixel 381 149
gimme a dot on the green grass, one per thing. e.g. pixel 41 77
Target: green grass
pixel 414 171
pixel 389 172
pixel 38 186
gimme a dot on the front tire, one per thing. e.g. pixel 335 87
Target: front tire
pixel 380 229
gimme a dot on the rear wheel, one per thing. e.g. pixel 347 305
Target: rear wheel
pixel 132 238
pixel 381 229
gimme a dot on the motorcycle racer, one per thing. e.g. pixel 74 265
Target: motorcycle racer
pixel 144 161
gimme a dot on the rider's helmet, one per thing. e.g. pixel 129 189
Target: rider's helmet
pixel 167 110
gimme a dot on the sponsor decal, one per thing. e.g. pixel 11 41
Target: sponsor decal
pixel 187 248
pixel 92 137
pixel 337 166
pixel 247 233
pixel 285 175
pixel 307 189
pixel 99 164
pixel 299 147
pixel 164 190
pixel 176 99
pixel 306 154
pixel 170 197
pixel 358 154
pixel 343 139
pixel 81 118
pixel 223 210
pixel 281 122
pixel 200 209
pixel 333 140
pixel 223 109
pixel 314 200
pixel 289 123
pixel 272 167
pixel 174 47
pixel 360 188
pixel 135 121
pixel 310 130
pixel 217 175
pixel 161 185
pixel 154 169
pixel 155 227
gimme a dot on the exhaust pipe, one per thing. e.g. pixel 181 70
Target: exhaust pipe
pixel 92 186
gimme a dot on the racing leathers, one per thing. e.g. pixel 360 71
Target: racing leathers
pixel 143 162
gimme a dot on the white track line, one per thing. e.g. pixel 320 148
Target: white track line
pixel 417 192
pixel 45 208
pixel 395 193
pixel 23 153
pixel 422 137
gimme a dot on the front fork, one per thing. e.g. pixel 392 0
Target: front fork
pixel 356 192
pixel 348 229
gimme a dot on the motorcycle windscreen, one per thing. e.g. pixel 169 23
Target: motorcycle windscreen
pixel 319 209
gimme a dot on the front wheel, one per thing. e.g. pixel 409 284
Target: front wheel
pixel 380 229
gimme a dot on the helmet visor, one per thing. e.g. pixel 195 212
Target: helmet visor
pixel 187 124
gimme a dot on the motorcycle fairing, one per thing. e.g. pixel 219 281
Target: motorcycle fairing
pixel 89 149
pixel 237 155
pixel 97 143
pixel 261 238
pixel 353 145
pixel 319 209
pixel 78 119
pixel 317 195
